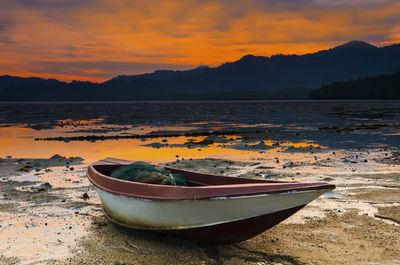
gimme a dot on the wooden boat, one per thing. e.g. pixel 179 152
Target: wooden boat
pixel 212 208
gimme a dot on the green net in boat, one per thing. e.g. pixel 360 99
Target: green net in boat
pixel 146 173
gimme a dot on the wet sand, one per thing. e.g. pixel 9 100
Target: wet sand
pixel 61 222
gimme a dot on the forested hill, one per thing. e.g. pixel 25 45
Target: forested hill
pixel 352 60
pixel 379 87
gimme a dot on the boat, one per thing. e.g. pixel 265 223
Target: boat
pixel 211 208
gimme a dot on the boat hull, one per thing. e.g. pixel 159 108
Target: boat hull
pixel 237 231
pixel 219 219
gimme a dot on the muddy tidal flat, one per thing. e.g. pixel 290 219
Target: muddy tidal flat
pixel 50 214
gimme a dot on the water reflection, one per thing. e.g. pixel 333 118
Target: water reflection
pixel 19 142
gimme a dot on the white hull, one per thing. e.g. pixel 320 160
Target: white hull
pixel 184 214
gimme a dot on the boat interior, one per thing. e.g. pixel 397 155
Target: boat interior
pixel 193 178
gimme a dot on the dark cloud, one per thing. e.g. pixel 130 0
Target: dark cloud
pixel 349 2
pixel 237 8
pixel 5 26
pixel 53 3
pixel 6 40
pixel 328 3
pixel 376 37
pixel 181 35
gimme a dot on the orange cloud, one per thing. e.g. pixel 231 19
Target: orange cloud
pixel 130 37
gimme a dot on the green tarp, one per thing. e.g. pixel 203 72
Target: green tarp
pixel 146 173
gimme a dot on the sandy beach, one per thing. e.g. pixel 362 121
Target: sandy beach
pixel 51 215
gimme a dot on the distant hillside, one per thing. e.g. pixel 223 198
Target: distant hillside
pixel 349 61
pixel 159 75
pixel 38 89
pixel 380 87
pixel 251 77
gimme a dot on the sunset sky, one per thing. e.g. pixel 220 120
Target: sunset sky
pixel 98 39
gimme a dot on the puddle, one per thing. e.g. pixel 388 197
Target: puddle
pixel 331 194
pixel 19 142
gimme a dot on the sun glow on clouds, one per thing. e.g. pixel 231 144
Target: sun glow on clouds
pixel 95 40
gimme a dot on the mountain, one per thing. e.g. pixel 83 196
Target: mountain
pixel 379 87
pixel 355 45
pixel 39 89
pixel 253 73
pixel 159 75
pixel 251 77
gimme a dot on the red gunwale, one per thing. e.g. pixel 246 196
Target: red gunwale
pixel 212 185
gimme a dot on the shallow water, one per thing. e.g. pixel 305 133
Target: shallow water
pixel 254 128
